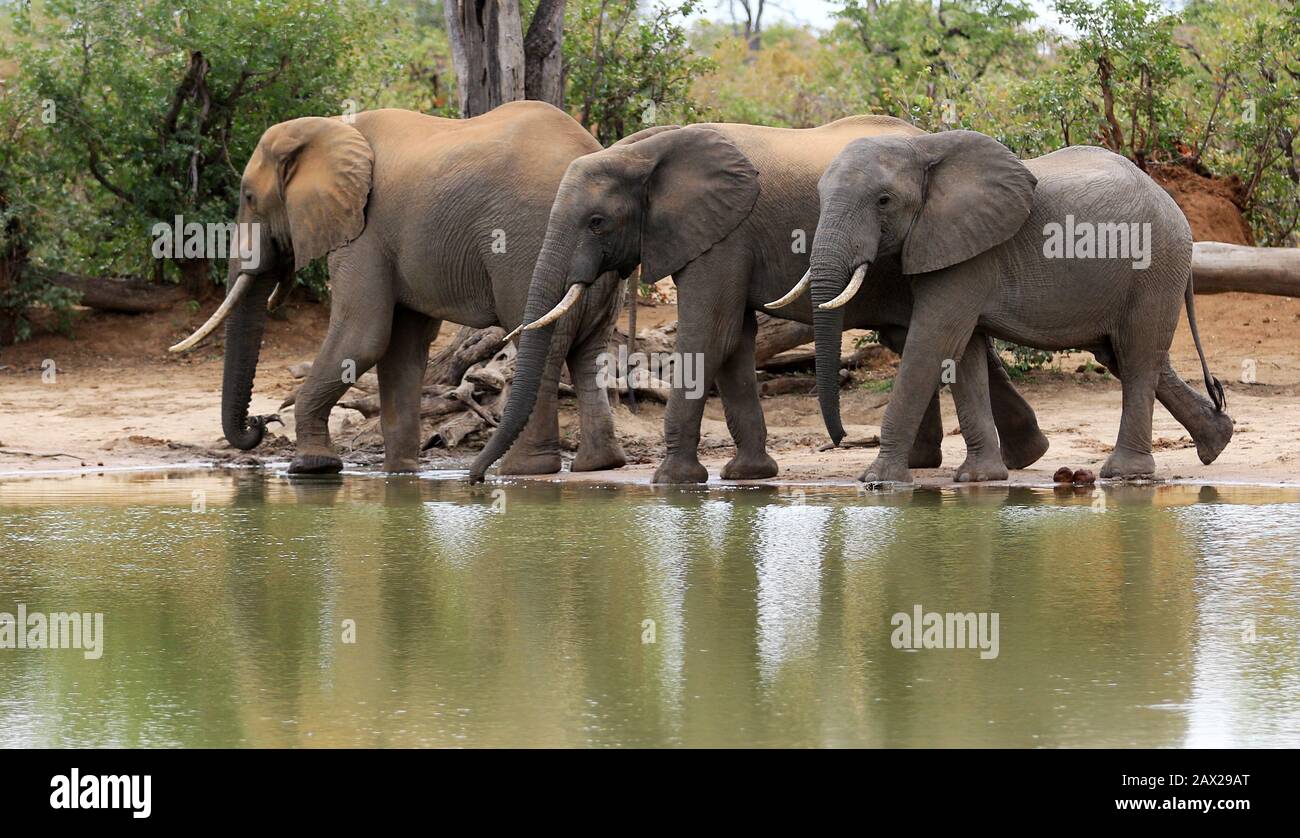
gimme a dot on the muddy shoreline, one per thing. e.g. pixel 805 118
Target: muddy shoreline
pixel 120 401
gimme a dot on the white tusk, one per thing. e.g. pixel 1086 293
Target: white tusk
pixel 277 296
pixel 511 336
pixel 849 290
pixel 570 297
pixel 223 311
pixel 794 293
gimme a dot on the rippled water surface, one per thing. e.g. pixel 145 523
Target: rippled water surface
pixel 548 614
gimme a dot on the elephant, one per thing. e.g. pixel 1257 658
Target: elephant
pixel 721 208
pixel 981 238
pixel 424 219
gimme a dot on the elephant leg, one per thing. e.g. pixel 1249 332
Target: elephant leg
pixel 1022 442
pixel 537 451
pixel 1132 455
pixel 940 329
pixel 352 346
pixel 598 447
pixel 1210 429
pixel 708 328
pixel 927 451
pixel 970 388
pixel 738 385
pixel 401 374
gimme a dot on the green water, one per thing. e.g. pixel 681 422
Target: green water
pixel 517 614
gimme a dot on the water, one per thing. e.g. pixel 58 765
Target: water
pixel 517 614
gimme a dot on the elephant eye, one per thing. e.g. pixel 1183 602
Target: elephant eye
pixel 597 223
pixel 883 200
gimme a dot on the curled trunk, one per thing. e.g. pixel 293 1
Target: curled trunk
pixel 244 329
pixel 544 293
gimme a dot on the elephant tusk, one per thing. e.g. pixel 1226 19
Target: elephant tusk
pixel 512 335
pixel 223 311
pixel 849 290
pixel 277 296
pixel 794 293
pixel 570 297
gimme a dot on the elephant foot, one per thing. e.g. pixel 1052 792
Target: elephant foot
pixel 401 465
pixel 980 468
pixel 750 467
pixel 1023 451
pixel 599 457
pixel 883 474
pixel 1128 465
pixel 678 468
pixel 1214 439
pixel 925 456
pixel 526 463
pixel 315 464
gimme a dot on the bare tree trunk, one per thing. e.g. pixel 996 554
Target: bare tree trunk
pixel 196 278
pixel 487 50
pixel 13 259
pixel 633 287
pixel 543 54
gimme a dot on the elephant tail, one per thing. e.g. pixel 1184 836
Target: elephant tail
pixel 1212 385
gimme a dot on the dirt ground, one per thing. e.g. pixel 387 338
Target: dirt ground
pixel 118 399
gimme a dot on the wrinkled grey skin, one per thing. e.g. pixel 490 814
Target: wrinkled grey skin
pixel 424 219
pixel 968 221
pixel 717 207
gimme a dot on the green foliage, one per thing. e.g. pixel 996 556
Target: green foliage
pixel 867 339
pixel 1245 73
pixel 1024 359
pixel 878 385
pixel 1124 63
pixel 151 109
pixel 626 72
pixel 1215 87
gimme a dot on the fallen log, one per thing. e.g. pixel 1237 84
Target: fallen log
pixel 469 347
pixel 1218 267
pixel 118 293
pixel 776 336
pixel 805 358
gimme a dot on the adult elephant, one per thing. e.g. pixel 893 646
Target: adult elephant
pixel 1078 248
pixel 722 208
pixel 424 219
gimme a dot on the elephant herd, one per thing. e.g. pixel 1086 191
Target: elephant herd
pixel 939 242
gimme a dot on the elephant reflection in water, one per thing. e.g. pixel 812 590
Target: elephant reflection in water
pixel 771 619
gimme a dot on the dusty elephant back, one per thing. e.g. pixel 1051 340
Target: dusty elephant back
pixel 470 199
pixel 529 144
pixel 790 161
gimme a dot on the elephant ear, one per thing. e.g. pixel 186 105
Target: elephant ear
pixel 699 187
pixel 977 195
pixel 644 133
pixel 324 171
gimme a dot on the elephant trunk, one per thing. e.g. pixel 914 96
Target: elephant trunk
pixel 244 328
pixel 834 259
pixel 544 293
pixel 828 327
